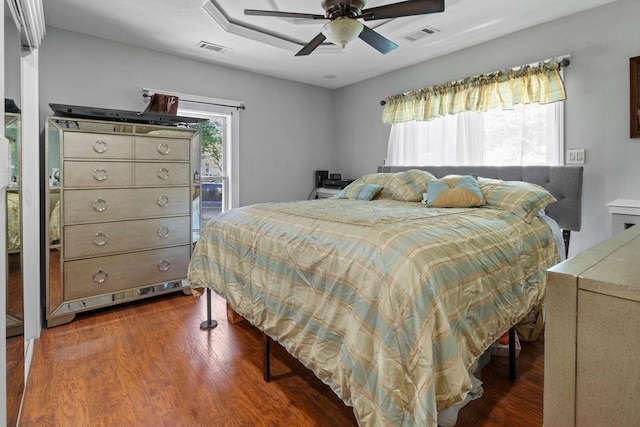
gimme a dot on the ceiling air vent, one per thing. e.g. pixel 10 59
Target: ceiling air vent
pixel 213 47
pixel 422 33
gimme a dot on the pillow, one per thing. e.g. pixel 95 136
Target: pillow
pixel 409 186
pixel 360 191
pixel 406 186
pixel 381 179
pixel 454 191
pixel 521 198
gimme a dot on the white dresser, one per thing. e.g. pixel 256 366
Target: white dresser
pixel 125 213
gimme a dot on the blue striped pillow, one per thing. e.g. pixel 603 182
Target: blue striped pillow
pixel 360 191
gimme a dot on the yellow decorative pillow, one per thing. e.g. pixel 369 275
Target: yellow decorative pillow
pixel 454 191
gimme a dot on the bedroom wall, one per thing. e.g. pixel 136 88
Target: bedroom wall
pixel 284 137
pixel 600 41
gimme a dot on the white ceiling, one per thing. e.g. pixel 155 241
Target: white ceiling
pixel 267 45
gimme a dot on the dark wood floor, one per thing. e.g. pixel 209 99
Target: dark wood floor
pixel 150 364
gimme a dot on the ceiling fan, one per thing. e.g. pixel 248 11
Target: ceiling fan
pixel 343 25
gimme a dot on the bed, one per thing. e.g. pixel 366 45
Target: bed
pixel 390 301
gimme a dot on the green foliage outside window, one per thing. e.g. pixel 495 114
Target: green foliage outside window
pixel 211 141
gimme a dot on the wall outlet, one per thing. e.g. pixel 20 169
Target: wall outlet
pixel 575 156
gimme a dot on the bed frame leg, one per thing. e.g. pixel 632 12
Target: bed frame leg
pixel 266 358
pixel 512 353
pixel 209 323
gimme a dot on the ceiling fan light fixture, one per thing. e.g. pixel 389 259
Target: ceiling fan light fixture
pixel 342 30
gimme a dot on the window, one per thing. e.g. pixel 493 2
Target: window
pixel 508 117
pixel 530 134
pixel 213 171
pixel 218 165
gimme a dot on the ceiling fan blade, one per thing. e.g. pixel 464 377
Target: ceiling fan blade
pixel 377 41
pixel 405 8
pixel 279 14
pixel 312 45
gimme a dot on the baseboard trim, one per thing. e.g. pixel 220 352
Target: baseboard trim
pixel 28 356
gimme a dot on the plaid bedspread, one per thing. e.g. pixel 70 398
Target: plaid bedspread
pixel 14 221
pixel 387 302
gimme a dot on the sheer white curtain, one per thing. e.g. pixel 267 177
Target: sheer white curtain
pixel 455 139
pixel 526 135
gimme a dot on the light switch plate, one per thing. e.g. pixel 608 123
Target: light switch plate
pixel 575 156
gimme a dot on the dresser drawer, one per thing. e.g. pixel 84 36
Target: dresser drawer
pixel 154 148
pixel 98 205
pixel 97 146
pixel 97 174
pixel 162 174
pixel 103 275
pixel 86 240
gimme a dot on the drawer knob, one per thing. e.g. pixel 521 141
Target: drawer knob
pixel 163 174
pixel 164 265
pixel 100 146
pixel 100 174
pixel 164 231
pixel 100 276
pixel 99 205
pixel 163 148
pixel 162 201
pixel 100 239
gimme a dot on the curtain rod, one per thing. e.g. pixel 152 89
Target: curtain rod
pixel 196 99
pixel 237 107
pixel 563 62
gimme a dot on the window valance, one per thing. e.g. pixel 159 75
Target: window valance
pixel 541 83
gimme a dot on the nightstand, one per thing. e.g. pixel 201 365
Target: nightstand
pixel 325 193
pixel 625 213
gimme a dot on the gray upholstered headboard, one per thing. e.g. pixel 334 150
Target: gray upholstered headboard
pixel 564 182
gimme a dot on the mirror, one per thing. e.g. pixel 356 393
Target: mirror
pixel 14 254
pixel 14 297
pixel 52 207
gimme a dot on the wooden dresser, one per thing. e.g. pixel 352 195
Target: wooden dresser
pixel 592 347
pixel 125 213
